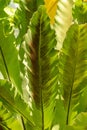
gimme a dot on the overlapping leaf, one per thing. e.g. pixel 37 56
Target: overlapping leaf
pixel 9 58
pixel 73 67
pixel 80 122
pixel 42 67
pixel 80 11
pixel 23 15
pixel 63 20
pixel 9 120
pixel 13 101
pixel 51 6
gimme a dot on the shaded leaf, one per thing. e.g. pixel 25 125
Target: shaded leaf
pixel 4 3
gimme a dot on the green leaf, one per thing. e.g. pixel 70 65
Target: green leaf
pixel 16 1
pixel 2 69
pixel 21 21
pixel 42 67
pixel 83 105
pixel 80 122
pixel 14 101
pixel 80 11
pixel 59 115
pixel 4 3
pixel 73 69
pixel 33 5
pixel 9 59
pixel 23 15
pixel 9 120
pixel 63 20
pixel 7 28
pixel 73 128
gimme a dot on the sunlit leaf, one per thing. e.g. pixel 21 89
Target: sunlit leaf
pixel 43 67
pixel 73 67
pixel 9 58
pixel 14 101
pixel 80 122
pixel 9 120
pixel 63 20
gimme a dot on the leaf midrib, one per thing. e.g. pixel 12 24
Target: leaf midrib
pixel 74 72
pixel 40 76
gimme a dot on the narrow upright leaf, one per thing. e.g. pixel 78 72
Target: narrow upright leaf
pixel 73 67
pixel 42 67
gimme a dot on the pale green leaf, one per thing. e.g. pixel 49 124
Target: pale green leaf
pixel 63 20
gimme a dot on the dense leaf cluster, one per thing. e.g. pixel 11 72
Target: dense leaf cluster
pixel 43 65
